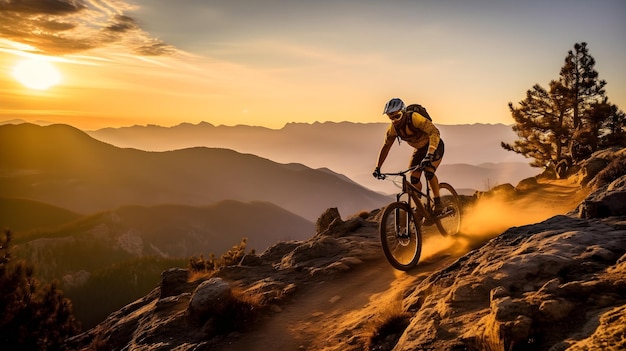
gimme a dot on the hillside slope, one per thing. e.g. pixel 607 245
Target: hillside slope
pixel 22 215
pixel 78 254
pixel 129 232
pixel 558 283
pixel 65 167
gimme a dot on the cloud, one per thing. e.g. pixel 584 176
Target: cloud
pixel 45 7
pixel 58 27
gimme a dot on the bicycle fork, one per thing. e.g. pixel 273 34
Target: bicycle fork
pixel 403 225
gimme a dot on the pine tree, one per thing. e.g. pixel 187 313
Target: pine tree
pixel 33 316
pixel 542 125
pixel 584 90
pixel 562 126
pixel 613 126
pixel 580 78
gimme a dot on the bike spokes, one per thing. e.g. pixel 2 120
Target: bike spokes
pixel 400 238
pixel 449 221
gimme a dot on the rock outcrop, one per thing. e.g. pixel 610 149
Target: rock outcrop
pixel 555 285
pixel 183 314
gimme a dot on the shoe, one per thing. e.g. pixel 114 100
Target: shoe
pixel 438 208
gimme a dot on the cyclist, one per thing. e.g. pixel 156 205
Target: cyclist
pixel 417 129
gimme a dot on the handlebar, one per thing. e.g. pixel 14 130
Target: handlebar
pixel 382 176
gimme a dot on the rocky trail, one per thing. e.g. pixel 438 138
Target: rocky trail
pixel 328 314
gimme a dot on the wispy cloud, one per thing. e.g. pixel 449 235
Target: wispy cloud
pixel 58 27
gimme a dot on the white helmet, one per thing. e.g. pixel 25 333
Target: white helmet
pixel 394 105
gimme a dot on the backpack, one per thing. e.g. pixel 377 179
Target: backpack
pixel 401 131
pixel 419 109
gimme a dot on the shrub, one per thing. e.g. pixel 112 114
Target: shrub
pixel 202 266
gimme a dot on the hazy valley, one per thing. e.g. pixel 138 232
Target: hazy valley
pixel 473 159
pixel 63 166
pixel 79 207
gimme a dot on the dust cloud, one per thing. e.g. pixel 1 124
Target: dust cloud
pixel 490 216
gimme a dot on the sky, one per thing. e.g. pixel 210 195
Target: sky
pixel 113 63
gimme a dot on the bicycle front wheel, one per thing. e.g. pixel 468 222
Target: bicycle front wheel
pixel 449 221
pixel 400 236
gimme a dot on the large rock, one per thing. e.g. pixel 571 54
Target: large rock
pixel 210 297
pixel 536 287
pixel 591 167
pixel 605 202
pixel 174 281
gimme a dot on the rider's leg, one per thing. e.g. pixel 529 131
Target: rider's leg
pixel 416 158
pixel 434 185
pixel 415 180
pixel 434 181
pixel 432 177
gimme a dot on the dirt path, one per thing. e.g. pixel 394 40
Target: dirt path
pixel 340 314
pixel 295 326
pixel 326 314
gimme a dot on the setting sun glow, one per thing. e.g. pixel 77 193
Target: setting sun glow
pixel 36 74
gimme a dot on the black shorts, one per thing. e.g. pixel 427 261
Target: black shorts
pixel 419 154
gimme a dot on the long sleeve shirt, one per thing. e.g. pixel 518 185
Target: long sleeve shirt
pixel 427 133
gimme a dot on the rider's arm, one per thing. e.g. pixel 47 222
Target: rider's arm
pixel 429 128
pixel 390 137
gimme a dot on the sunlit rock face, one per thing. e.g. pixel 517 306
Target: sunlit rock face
pixel 555 285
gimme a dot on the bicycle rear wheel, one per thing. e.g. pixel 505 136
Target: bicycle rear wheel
pixel 449 221
pixel 400 236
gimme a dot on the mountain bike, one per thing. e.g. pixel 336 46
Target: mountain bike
pixel 402 221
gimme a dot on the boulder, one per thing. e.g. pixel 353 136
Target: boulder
pixel 210 297
pixel 326 219
pixel 174 281
pixel 605 202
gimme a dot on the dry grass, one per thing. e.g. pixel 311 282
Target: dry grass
pixel 201 268
pixel 388 328
pixel 239 313
pixel 242 309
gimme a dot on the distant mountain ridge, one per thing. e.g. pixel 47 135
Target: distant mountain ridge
pixel 345 147
pixel 23 214
pixel 80 208
pixel 168 231
pixel 65 167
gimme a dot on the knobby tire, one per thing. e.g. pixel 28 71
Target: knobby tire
pixel 400 236
pixel 450 223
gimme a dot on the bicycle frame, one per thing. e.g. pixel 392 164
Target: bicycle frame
pixel 402 221
pixel 413 195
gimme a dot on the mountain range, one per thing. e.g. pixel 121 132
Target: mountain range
pixel 80 207
pixel 473 158
pixel 63 166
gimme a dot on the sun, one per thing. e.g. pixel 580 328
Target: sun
pixel 36 73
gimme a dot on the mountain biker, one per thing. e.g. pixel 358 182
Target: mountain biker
pixel 419 132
